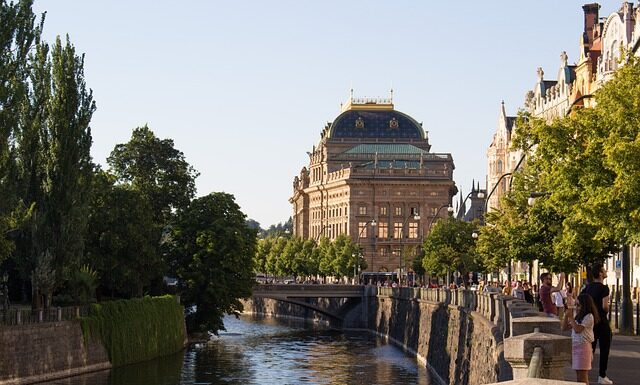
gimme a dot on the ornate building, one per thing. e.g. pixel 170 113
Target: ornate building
pixel 372 177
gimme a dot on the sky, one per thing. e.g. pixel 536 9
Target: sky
pixel 244 88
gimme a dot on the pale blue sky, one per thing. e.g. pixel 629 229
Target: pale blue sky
pixel 245 87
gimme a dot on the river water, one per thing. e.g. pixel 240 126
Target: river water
pixel 269 351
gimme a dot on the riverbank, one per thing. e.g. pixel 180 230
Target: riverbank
pixel 112 334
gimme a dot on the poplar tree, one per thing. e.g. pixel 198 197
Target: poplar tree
pixel 19 32
pixel 68 168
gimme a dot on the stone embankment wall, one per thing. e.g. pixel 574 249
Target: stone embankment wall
pixel 459 345
pixel 116 332
pixel 457 335
pixel 47 351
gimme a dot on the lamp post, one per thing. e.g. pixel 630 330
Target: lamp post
pixel 486 206
pixel 356 266
pixel 5 293
pixel 449 210
pixel 321 232
pixel 480 195
pixel 416 216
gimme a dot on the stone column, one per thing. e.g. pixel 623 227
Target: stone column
pixel 556 354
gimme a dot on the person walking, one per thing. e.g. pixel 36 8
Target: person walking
pixel 546 288
pixel 602 330
pixel 518 291
pixel 582 335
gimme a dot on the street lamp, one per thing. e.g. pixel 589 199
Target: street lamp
pixel 416 217
pixel 480 195
pixel 533 195
pixel 486 205
pixel 357 264
pixel 321 232
pixel 5 293
pixel 449 210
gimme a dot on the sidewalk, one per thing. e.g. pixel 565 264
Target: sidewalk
pixel 624 362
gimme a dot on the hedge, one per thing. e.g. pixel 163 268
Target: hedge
pixel 136 330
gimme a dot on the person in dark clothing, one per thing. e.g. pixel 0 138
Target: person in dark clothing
pixel 602 330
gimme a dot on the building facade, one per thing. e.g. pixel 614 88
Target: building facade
pixel 372 177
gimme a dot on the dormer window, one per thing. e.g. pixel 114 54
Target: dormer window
pixel 393 123
pixel 359 122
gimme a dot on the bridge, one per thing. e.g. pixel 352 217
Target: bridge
pixel 331 301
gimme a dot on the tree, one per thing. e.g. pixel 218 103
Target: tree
pixel 19 32
pixel 67 182
pixel 450 247
pixel 345 254
pixel 121 239
pixel 157 170
pixel 214 248
pixel 262 252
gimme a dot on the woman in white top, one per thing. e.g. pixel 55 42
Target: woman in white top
pixel 582 335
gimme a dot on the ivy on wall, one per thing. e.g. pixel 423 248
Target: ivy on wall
pixel 138 329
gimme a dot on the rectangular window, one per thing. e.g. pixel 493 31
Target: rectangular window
pixel 413 230
pixel 397 230
pixel 398 211
pixel 383 210
pixel 384 252
pixel 383 230
pixel 362 210
pixel 362 229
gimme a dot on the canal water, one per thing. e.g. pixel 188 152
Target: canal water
pixel 269 351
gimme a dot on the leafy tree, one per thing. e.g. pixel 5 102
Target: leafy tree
pixel 326 255
pixel 262 252
pixel 307 262
pixel 214 250
pixel 157 170
pixel 345 254
pixel 273 266
pixel 589 165
pixel 121 239
pixel 450 247
pixel 19 32
pixel 53 165
pixel 68 161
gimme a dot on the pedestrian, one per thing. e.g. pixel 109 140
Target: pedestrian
pixel 582 335
pixel 518 291
pixel 546 288
pixel 528 296
pixel 559 300
pixel 506 290
pixel 602 330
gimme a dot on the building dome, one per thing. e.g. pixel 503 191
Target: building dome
pixel 374 120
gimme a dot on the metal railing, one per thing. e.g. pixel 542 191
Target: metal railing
pixel 17 316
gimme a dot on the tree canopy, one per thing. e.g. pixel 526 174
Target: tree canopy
pixel 214 249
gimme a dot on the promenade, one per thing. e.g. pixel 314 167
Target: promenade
pixel 624 362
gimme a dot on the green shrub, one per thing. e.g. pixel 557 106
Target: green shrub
pixel 136 330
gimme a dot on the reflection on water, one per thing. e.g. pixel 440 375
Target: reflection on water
pixel 268 351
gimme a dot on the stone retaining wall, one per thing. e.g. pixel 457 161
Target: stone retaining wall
pixel 42 352
pixel 458 345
